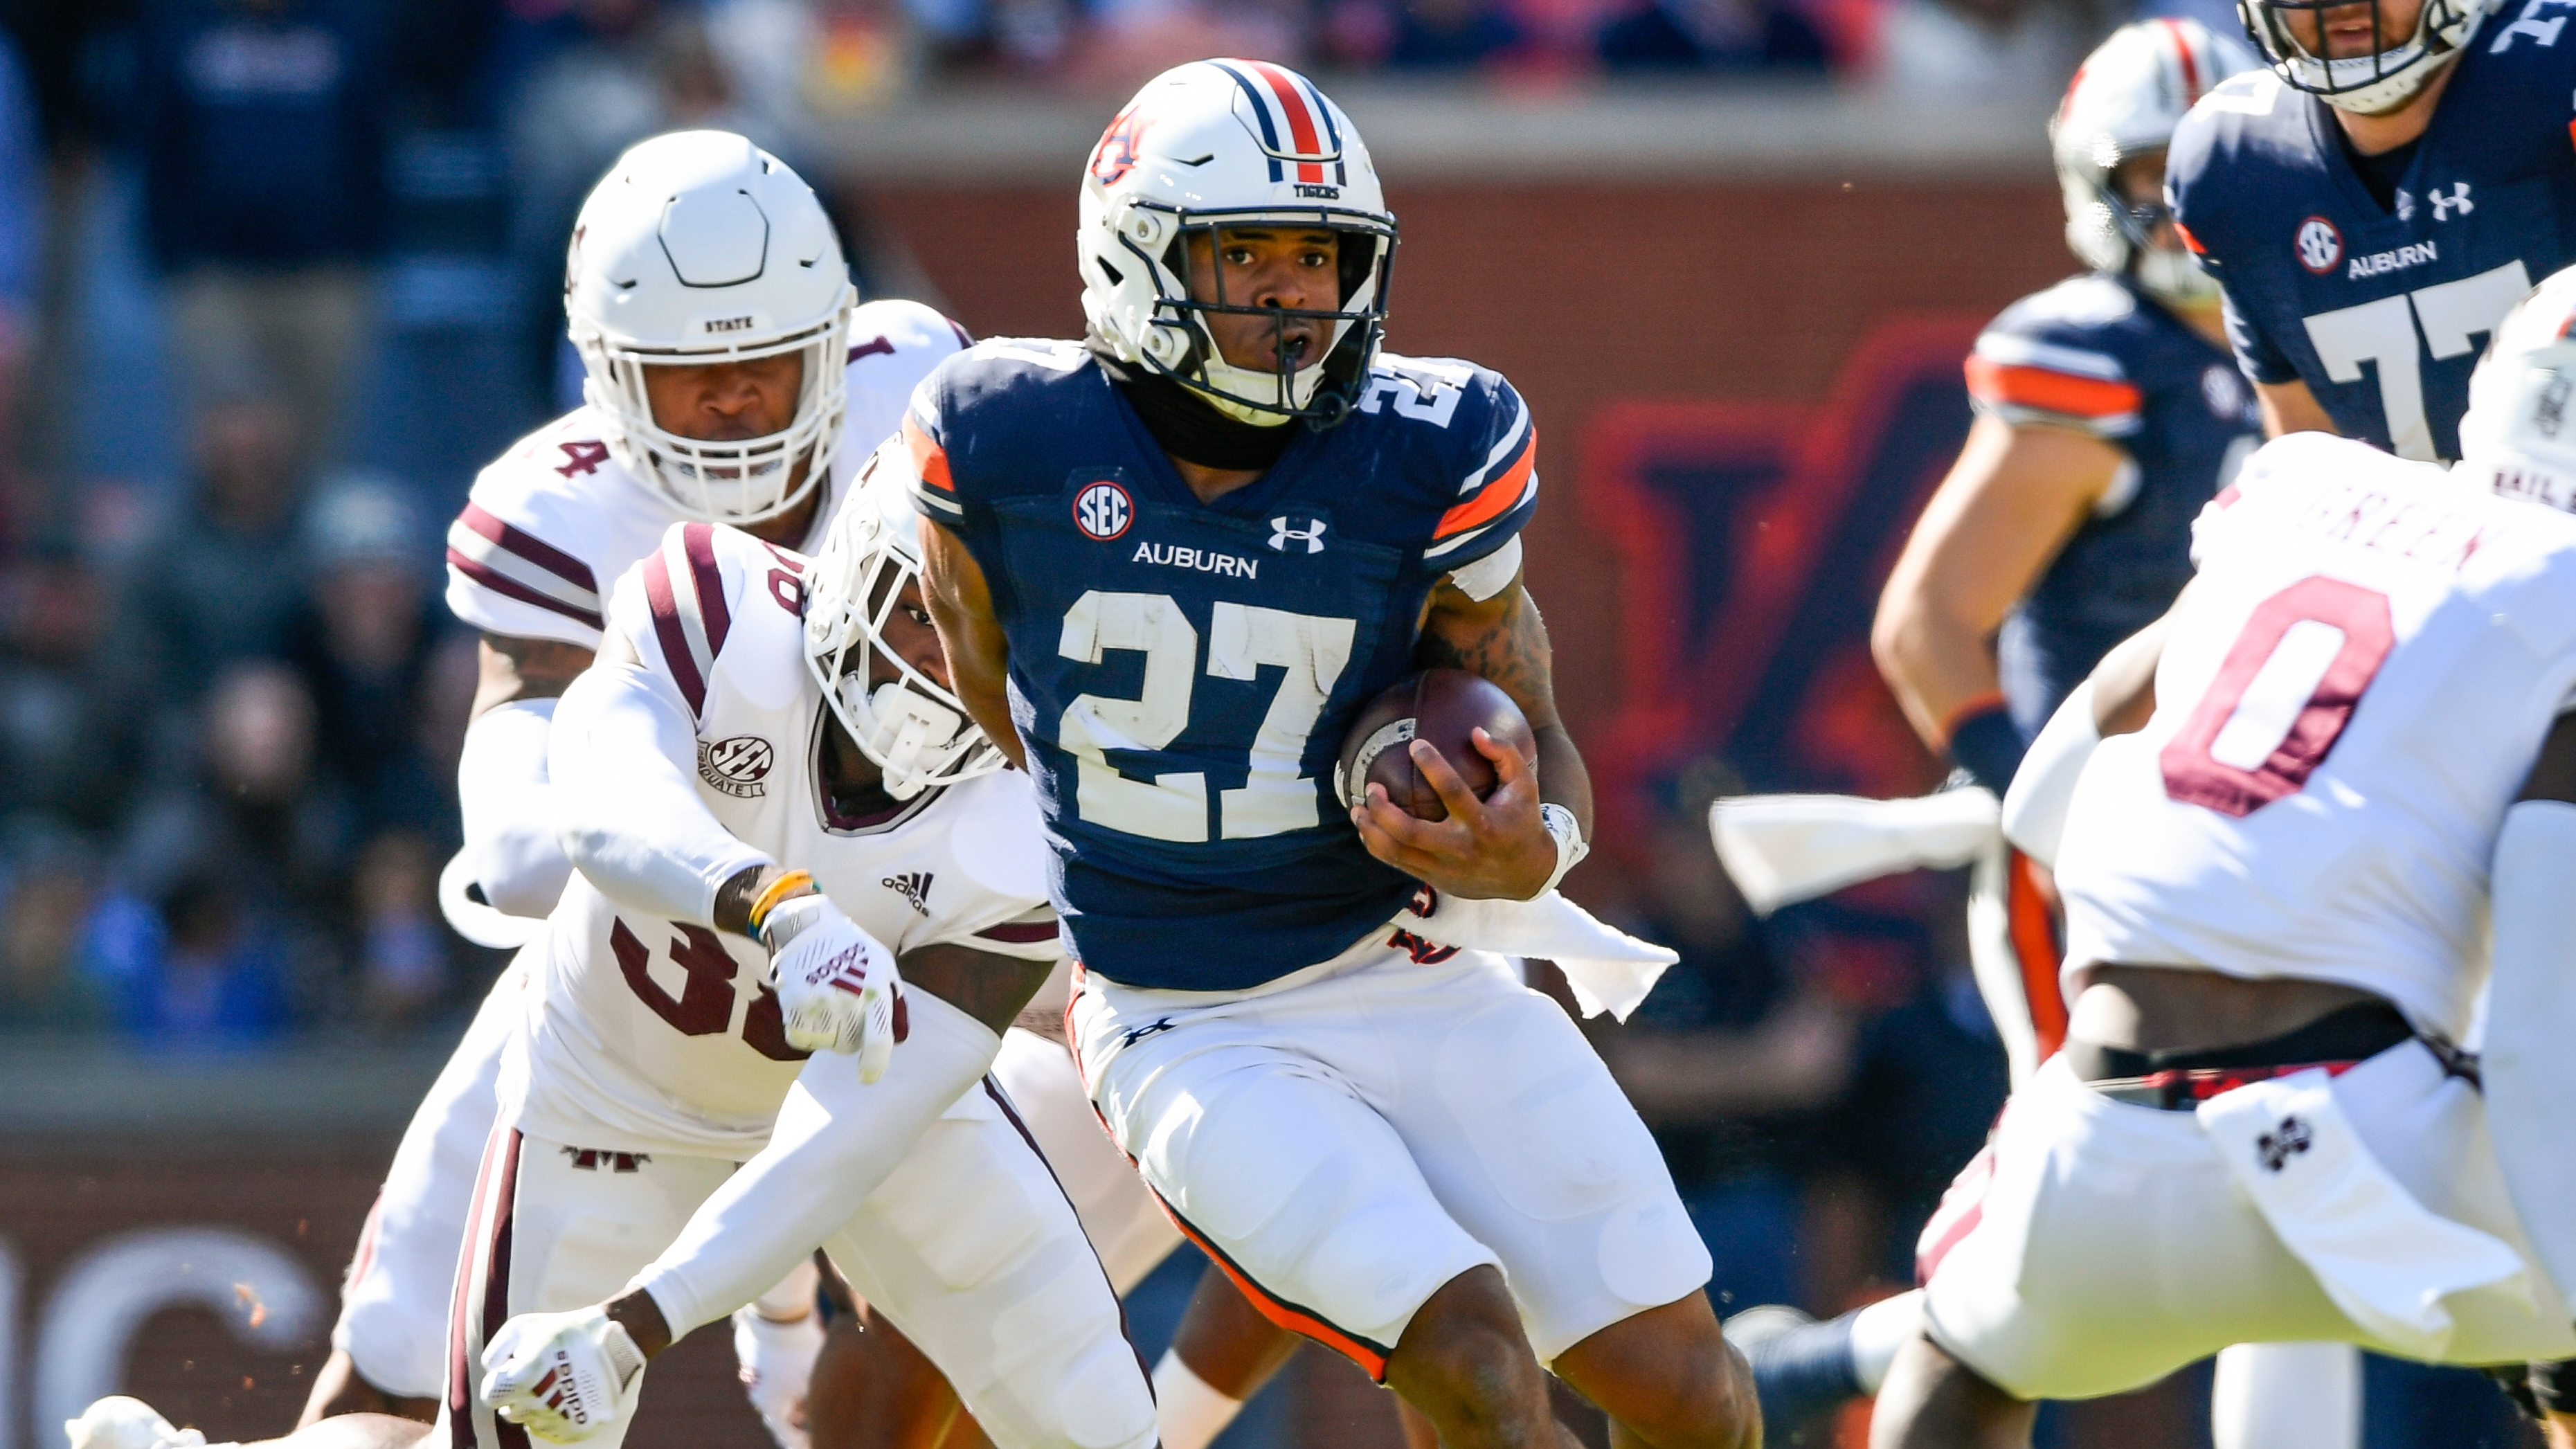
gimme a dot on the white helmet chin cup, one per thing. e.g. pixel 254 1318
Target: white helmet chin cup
pixel 1232 143
pixel 2124 103
pixel 909 734
pixel 698 248
pixel 2175 277
pixel 2367 85
pixel 914 728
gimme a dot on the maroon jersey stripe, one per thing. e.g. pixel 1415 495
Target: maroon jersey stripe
pixel 528 546
pixel 508 587
pixel 674 638
pixel 1017 934
pixel 698 541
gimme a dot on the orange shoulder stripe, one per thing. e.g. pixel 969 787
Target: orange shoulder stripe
pixel 929 460
pixel 2056 392
pixel 1496 498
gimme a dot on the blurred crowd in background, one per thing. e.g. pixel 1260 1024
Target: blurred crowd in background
pixel 277 276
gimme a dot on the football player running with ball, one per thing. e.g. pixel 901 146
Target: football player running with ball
pixel 2376 200
pixel 1181 555
pixel 2336 786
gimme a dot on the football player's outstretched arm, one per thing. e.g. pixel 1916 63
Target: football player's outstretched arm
pixel 2531 1016
pixel 1498 846
pixel 2016 494
pixel 627 804
pixel 979 658
pixel 502 787
pixel 836 1142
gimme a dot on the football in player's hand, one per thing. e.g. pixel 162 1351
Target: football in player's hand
pixel 1445 707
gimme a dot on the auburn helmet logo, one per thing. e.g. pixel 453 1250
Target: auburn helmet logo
pixel 1115 156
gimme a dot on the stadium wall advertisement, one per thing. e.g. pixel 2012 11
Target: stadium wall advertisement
pixel 1743 390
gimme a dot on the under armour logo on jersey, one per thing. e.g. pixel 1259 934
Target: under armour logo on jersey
pixel 1135 1034
pixel 2458 201
pixel 1312 535
pixel 913 886
pixel 2275 1148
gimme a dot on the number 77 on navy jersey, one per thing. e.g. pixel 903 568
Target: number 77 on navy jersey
pixel 2383 310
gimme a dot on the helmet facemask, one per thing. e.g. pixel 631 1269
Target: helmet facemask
pixel 738 481
pixel 1179 342
pixel 2396 68
pixel 2164 270
pixel 913 727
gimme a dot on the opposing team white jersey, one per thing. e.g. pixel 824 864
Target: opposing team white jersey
pixel 2353 690
pixel 648 1034
pixel 557 517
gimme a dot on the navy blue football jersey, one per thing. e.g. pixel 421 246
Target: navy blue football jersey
pixel 2383 310
pixel 2095 354
pixel 1183 673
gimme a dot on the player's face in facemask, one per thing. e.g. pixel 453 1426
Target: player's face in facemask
pixel 907 633
pixel 1284 267
pixel 2347 32
pixel 726 402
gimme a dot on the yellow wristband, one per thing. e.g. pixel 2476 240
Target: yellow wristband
pixel 767 901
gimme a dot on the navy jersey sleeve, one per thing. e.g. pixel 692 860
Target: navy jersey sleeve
pixel 2060 357
pixel 2197 196
pixel 920 447
pixel 2255 353
pixel 1492 472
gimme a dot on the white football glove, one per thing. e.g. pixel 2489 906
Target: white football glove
pixel 777 1362
pixel 561 1376
pixel 837 987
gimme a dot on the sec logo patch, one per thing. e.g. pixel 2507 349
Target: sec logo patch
pixel 736 766
pixel 1103 511
pixel 2320 245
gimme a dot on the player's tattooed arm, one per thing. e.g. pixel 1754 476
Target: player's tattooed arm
pixel 961 605
pixel 1504 639
pixel 1497 847
pixel 513 669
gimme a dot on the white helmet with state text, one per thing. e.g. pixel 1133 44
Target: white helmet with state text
pixel 2519 434
pixel 2369 85
pixel 699 247
pixel 1232 143
pixel 2124 103
pixel 914 727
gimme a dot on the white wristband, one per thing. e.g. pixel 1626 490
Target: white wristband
pixel 1570 844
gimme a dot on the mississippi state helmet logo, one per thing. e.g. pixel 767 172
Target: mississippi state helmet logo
pixel 1115 156
pixel 1103 510
pixel 2320 245
pixel 736 766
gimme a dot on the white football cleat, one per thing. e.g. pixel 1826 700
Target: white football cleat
pixel 118 1422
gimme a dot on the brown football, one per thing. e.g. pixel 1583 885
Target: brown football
pixel 1446 707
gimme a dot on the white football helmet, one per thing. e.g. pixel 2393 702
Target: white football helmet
pixel 2519 434
pixel 1221 143
pixel 2124 102
pixel 699 247
pixel 915 728
pixel 2367 85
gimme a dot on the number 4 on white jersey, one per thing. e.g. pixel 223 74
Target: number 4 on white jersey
pixel 2382 333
